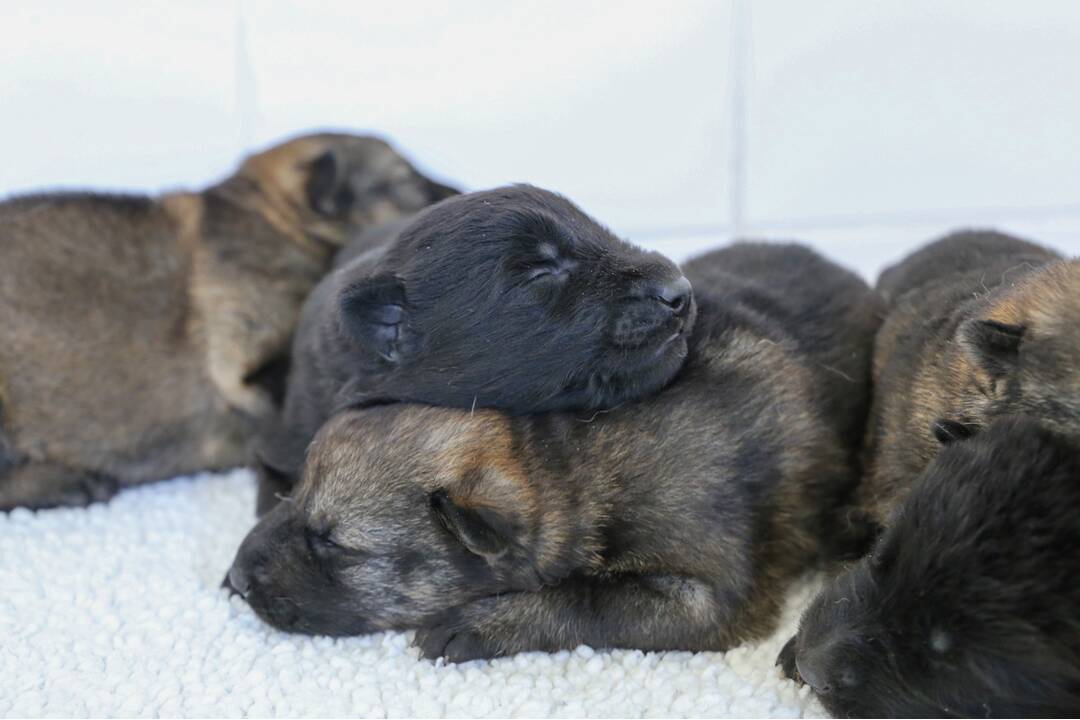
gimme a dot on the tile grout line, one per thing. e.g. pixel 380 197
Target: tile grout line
pixel 738 80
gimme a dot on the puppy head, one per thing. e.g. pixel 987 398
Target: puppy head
pixel 514 298
pixel 332 185
pixel 966 606
pixel 402 512
pixel 1026 348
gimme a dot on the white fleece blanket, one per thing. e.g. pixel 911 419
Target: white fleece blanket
pixel 116 610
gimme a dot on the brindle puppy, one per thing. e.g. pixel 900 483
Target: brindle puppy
pixel 511 298
pixel 672 522
pixel 137 332
pixel 969 606
pixel 980 325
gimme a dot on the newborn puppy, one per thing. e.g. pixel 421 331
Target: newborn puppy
pixel 672 522
pixel 141 337
pixel 969 605
pixel 510 298
pixel 980 324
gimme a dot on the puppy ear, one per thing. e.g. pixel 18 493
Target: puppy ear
pixel 437 191
pixel 995 346
pixel 328 190
pixel 482 530
pixel 949 431
pixel 372 313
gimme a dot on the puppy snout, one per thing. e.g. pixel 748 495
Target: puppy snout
pixel 675 295
pixel 825 670
pixel 653 313
pixel 238 580
pixel 812 673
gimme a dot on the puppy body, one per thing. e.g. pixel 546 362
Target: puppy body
pixel 826 313
pixel 140 336
pixel 979 325
pixel 968 606
pixel 509 298
pixel 671 522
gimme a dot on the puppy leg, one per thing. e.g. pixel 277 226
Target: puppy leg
pixel 276 464
pixel 649 612
pixel 38 485
pixel 272 487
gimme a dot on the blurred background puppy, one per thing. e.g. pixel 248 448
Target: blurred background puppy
pixel 142 337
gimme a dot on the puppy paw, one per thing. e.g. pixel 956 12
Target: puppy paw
pixel 786 661
pixel 453 640
pixel 96 487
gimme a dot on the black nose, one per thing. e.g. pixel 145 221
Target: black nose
pixel 812 673
pixel 675 294
pixel 237 580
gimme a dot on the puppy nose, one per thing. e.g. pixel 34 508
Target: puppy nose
pixel 237 580
pixel 675 294
pixel 812 674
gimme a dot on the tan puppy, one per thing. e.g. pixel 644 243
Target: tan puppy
pixel 139 336
pixel 979 325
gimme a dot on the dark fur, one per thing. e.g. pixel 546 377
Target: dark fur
pixel 672 522
pixel 969 606
pixel 144 337
pixel 510 298
pixel 979 325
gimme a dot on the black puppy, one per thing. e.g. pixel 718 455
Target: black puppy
pixel 969 606
pixel 511 298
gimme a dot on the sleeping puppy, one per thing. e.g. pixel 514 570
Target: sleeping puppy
pixel 510 298
pixel 672 522
pixel 980 324
pixel 141 337
pixel 969 605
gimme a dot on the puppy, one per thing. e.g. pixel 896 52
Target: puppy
pixel 141 337
pixel 672 522
pixel 510 298
pixel 980 324
pixel 969 604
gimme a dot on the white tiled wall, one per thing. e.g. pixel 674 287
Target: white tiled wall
pixel 862 127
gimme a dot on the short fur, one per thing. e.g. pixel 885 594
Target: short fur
pixel 672 522
pixel 969 605
pixel 980 325
pixel 510 298
pixel 142 337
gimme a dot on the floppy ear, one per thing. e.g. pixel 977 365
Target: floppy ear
pixel 482 530
pixel 372 312
pixel 949 431
pixel 995 346
pixel 328 190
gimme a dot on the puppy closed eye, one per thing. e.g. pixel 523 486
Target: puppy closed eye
pixel 548 271
pixel 321 542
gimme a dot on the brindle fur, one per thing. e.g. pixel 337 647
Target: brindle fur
pixel 980 324
pixel 969 604
pixel 138 334
pixel 510 298
pixel 672 522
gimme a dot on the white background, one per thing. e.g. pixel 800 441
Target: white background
pixel 865 128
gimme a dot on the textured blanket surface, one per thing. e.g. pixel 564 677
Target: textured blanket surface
pixel 116 610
